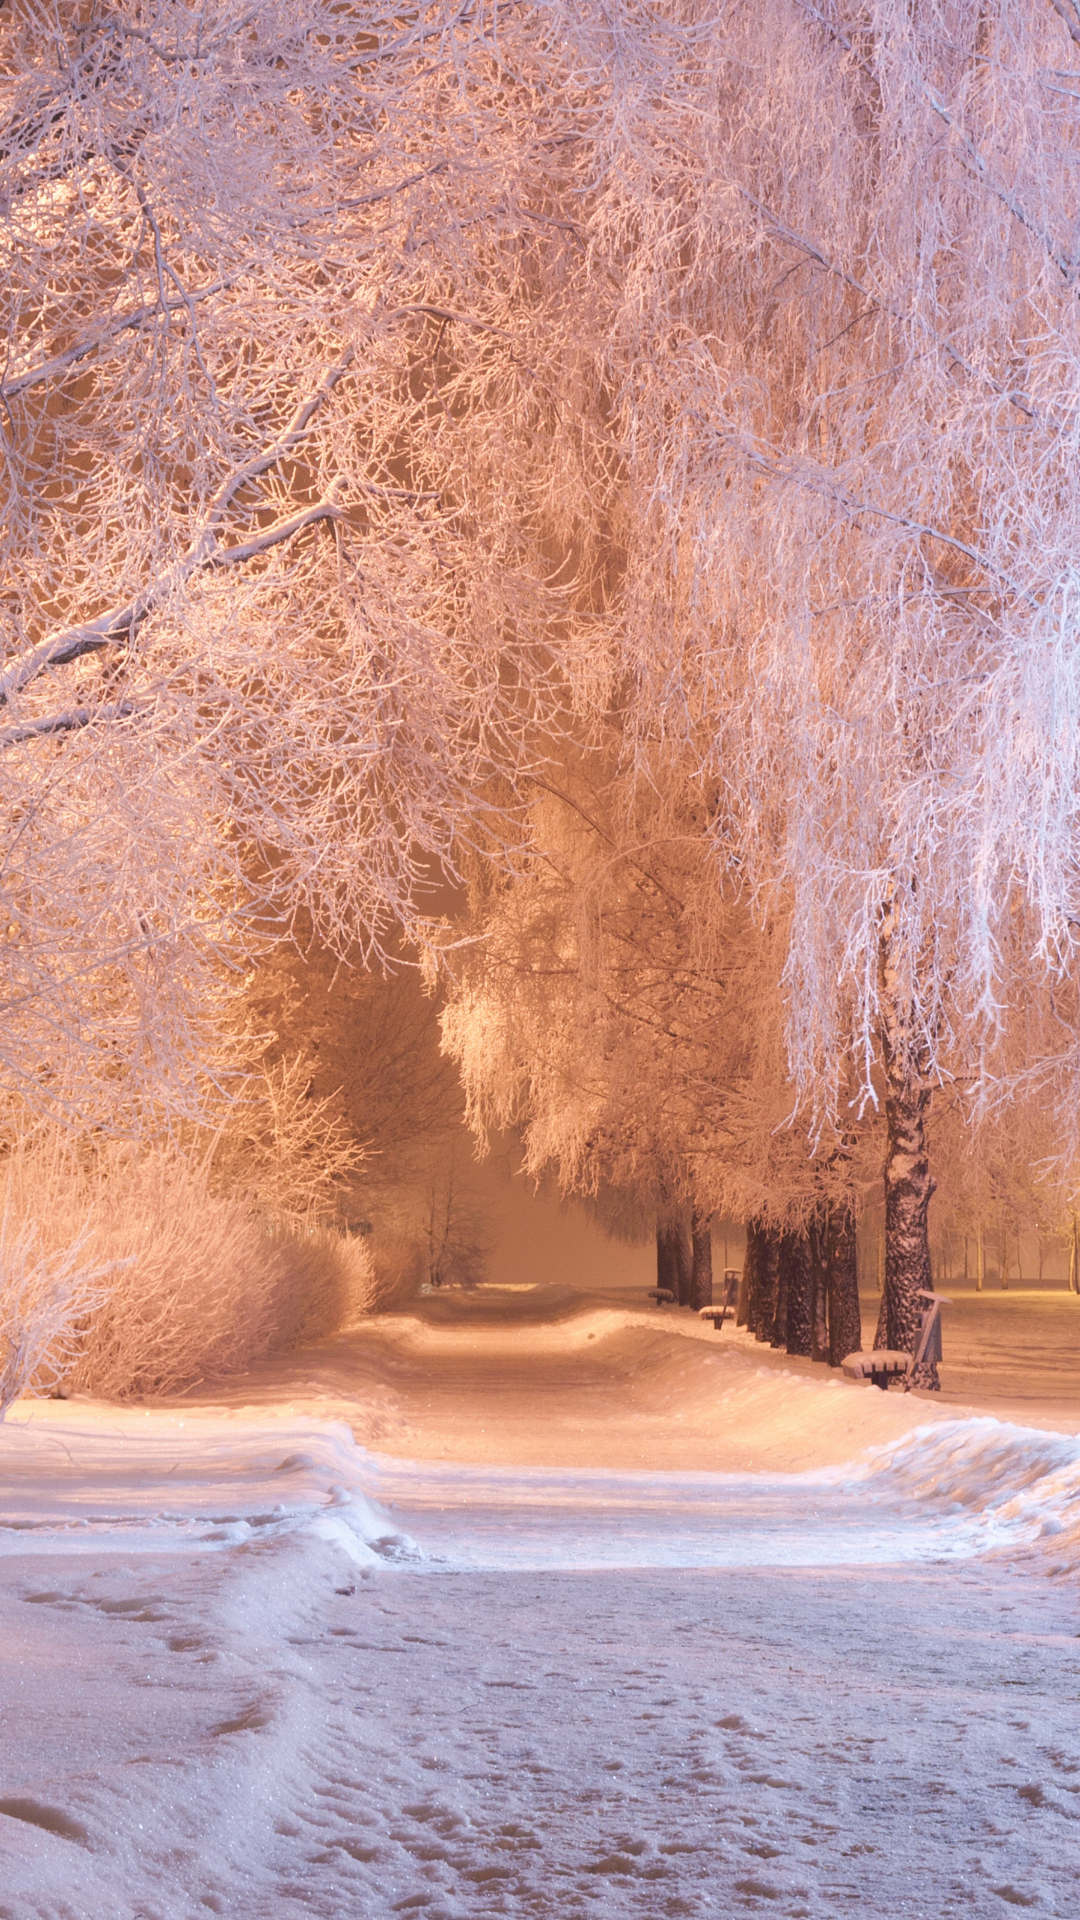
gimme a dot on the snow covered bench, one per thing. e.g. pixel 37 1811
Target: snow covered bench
pixel 729 1300
pixel 662 1295
pixel 881 1366
pixel 884 1363
pixel 716 1314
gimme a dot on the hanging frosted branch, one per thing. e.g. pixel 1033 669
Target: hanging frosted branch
pixel 269 633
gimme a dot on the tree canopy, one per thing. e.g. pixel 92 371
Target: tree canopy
pixel 399 405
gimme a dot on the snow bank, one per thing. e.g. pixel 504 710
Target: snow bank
pixel 1013 1490
pixel 530 1383
pixel 602 1438
pixel 86 1477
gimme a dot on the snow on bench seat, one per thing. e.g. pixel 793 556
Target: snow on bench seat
pixel 878 1366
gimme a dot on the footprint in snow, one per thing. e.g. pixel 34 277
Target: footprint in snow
pixel 50 1819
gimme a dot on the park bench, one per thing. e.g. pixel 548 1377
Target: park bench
pixel 880 1366
pixel 885 1364
pixel 731 1294
pixel 662 1295
pixel 929 1347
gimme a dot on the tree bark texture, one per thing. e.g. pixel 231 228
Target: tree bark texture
pixel 778 1334
pixel 817 1246
pixel 673 1257
pixel 908 1183
pixel 801 1290
pixel 748 1283
pixel 763 1301
pixel 701 1261
pixel 796 1289
pixel 845 1318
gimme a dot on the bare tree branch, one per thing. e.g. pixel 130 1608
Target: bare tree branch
pixel 70 722
pixel 14 384
pixel 1070 14
pixel 120 624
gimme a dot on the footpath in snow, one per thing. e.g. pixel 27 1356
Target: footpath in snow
pixel 526 1604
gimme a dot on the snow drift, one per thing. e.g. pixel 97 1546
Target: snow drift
pixel 1009 1489
pixel 84 1476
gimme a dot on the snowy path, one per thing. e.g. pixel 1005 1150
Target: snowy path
pixel 234 1736
pixel 250 1669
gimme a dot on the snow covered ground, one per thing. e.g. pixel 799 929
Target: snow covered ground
pixel 535 1605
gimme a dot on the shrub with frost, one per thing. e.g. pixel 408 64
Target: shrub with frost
pixel 125 1274
pixel 46 1298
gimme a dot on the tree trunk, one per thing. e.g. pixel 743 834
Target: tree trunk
pixel 771 1283
pixel 908 1183
pixel 754 1276
pixel 761 1315
pixel 817 1243
pixel 673 1257
pixel 778 1334
pixel 845 1318
pixel 748 1283
pixel 682 1260
pixel 701 1261
pixel 797 1288
pixel 666 1272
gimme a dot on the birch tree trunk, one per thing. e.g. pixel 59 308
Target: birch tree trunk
pixel 908 1182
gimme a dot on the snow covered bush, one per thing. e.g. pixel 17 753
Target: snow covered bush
pixel 398 1263
pixel 46 1297
pixel 289 1152
pixel 131 1276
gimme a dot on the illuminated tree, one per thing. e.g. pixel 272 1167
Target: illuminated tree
pixel 839 365
pixel 624 1015
pixel 271 320
pixel 385 393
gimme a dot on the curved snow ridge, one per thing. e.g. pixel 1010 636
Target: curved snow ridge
pixel 510 1334
pixel 473 1519
pixel 1021 1484
pixel 92 1477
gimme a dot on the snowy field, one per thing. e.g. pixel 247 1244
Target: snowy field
pixel 530 1604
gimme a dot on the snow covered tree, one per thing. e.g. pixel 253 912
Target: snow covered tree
pixel 382 391
pixel 369 1039
pixel 273 317
pixel 611 1004
pixel 838 367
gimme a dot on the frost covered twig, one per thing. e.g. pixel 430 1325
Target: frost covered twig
pixel 46 1298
